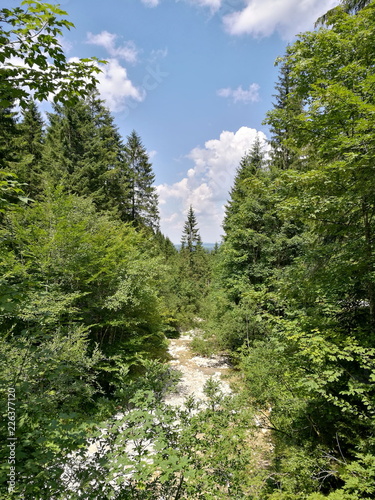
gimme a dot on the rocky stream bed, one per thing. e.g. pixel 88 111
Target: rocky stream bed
pixel 195 370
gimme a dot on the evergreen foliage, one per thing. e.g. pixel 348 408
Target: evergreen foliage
pixel 294 281
pixel 191 240
pixel 193 270
pixel 84 154
pixel 29 149
pixel 89 287
pixel 143 197
pixel 284 152
pixel 348 6
pixel 8 134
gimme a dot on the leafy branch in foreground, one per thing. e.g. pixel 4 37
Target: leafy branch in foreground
pixel 32 59
pixel 152 450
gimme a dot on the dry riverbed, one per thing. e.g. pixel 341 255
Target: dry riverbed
pixel 195 370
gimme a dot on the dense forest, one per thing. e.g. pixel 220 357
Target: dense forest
pixel 91 290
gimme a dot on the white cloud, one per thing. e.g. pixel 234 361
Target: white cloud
pixel 151 3
pixel 116 87
pixel 260 18
pixel 206 185
pixel 288 17
pixel 213 5
pixel 127 51
pixel 241 95
pixel 151 154
pixel 65 44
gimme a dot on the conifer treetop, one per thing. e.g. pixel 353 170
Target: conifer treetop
pixel 191 239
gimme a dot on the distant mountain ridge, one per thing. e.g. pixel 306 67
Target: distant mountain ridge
pixel 206 246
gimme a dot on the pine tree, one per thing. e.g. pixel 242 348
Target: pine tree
pixel 191 240
pixel 249 223
pixel 216 249
pixel 165 245
pixel 85 154
pixel 102 172
pixel 252 164
pixel 30 142
pixel 193 268
pixel 8 132
pixel 348 6
pixel 280 121
pixel 143 196
pixel 68 134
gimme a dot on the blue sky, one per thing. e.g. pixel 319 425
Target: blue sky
pixel 194 78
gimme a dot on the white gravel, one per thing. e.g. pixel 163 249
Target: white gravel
pixel 196 371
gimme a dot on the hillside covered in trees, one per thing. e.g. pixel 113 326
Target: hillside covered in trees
pixel 91 290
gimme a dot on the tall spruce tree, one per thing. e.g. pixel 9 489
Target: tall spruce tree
pixel 102 172
pixel 348 6
pixel 251 163
pixel 249 224
pixel 257 245
pixel 84 153
pixel 30 143
pixel 284 151
pixel 191 239
pixel 142 192
pixel 193 268
pixel 8 133
pixel 68 134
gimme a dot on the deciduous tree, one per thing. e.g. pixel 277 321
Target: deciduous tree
pixel 32 58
